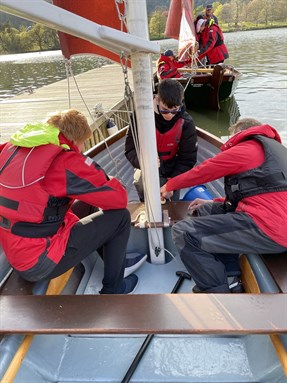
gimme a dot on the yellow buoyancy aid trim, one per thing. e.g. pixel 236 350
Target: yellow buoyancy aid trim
pixel 32 135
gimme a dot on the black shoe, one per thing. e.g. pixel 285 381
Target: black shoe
pixel 235 287
pixel 196 290
pixel 129 284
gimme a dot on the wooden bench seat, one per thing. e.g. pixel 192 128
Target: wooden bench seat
pixel 144 314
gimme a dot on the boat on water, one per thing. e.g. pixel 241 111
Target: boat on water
pixel 198 337
pixel 205 86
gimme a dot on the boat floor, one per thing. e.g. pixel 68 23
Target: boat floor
pixel 169 358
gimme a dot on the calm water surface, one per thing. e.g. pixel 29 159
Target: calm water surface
pixel 261 57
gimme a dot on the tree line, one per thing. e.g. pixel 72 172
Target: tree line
pixel 233 15
pixel 18 35
pixel 31 38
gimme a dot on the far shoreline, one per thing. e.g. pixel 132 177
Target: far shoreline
pixel 234 30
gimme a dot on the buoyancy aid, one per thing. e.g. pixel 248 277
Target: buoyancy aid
pixel 270 176
pixel 171 71
pixel 24 168
pixel 167 143
pixel 219 50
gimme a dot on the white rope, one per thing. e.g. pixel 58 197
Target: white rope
pixel 70 73
pixel 122 16
pixel 68 70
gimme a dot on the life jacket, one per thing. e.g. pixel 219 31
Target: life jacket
pixel 170 72
pixel 24 168
pixel 219 51
pixel 167 143
pixel 270 176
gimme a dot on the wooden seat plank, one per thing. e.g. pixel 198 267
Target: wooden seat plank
pixel 277 265
pixel 147 314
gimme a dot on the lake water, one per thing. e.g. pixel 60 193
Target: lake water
pixel 260 56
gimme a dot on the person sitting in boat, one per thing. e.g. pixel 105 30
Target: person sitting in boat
pixel 43 232
pixel 253 217
pixel 175 136
pixel 209 14
pixel 211 42
pixel 167 65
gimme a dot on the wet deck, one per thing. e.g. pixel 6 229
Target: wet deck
pixel 103 85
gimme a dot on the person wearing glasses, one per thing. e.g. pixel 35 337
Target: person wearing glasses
pixel 176 136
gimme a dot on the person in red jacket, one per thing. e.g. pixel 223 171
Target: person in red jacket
pixel 167 65
pixel 252 219
pixel 42 173
pixel 211 42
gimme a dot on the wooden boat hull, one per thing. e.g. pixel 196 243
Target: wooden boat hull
pixel 207 90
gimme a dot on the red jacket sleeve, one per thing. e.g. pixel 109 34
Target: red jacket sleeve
pixel 76 176
pixel 244 156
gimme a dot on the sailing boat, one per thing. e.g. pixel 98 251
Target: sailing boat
pixel 202 341
pixel 204 87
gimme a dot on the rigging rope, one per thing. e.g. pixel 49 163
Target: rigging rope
pixel 122 16
pixel 70 73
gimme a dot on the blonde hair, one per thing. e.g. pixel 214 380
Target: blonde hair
pixel 243 124
pixel 72 124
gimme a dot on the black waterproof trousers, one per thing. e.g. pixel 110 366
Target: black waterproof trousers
pixel 104 231
pixel 209 245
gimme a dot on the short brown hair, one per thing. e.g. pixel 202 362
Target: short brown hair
pixel 170 92
pixel 72 124
pixel 243 124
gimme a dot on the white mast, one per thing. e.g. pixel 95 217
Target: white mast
pixel 143 97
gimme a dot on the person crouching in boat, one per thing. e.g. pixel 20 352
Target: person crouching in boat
pixel 211 42
pixel 176 136
pixel 167 65
pixel 42 232
pixel 253 217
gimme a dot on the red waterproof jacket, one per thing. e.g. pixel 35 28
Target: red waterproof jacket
pixel 167 68
pixel 238 155
pixel 69 175
pixel 212 45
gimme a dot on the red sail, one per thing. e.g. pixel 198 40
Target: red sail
pixel 180 25
pixel 103 12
